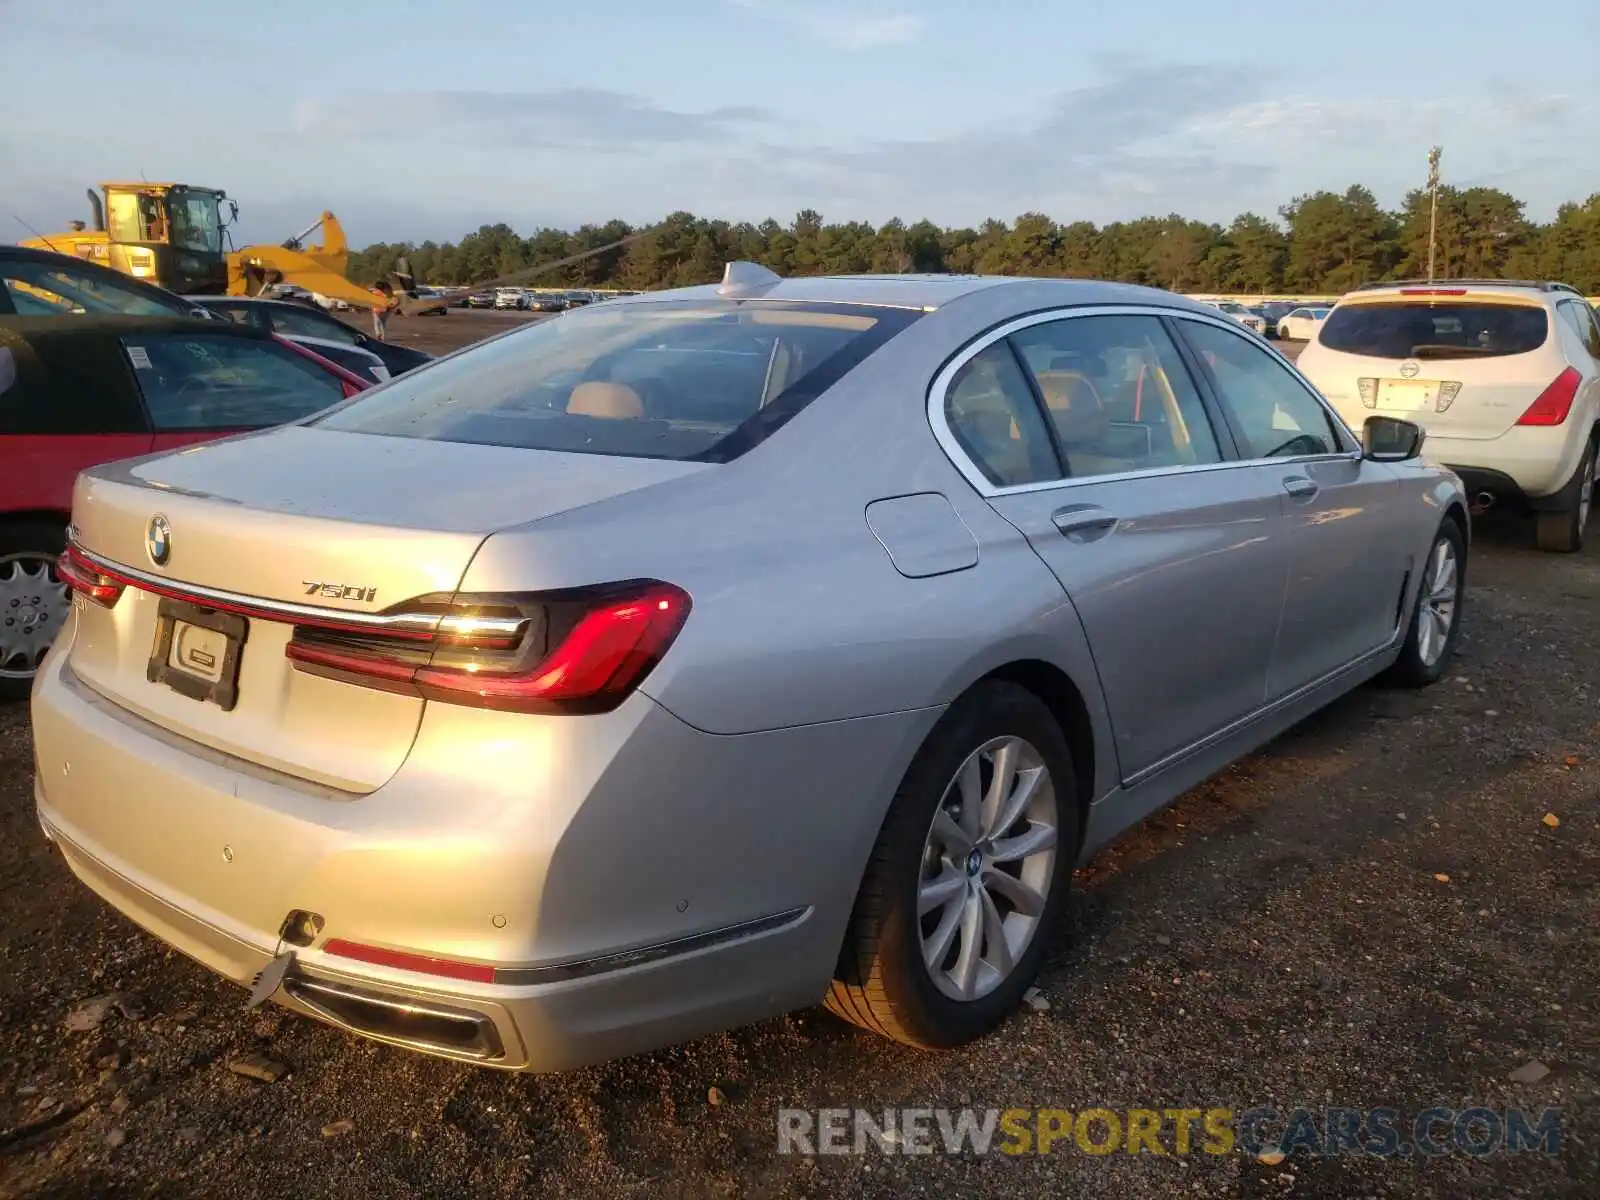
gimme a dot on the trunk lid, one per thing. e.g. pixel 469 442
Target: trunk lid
pixel 339 522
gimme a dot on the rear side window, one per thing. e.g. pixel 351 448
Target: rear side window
pixel 1435 329
pixel 701 380
pixel 202 381
pixel 995 419
pixel 1117 394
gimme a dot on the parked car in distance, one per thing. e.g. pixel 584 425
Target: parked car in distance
pixel 548 302
pixel 1272 312
pixel 428 293
pixel 42 283
pixel 577 297
pixel 296 321
pixel 77 393
pixel 1253 322
pixel 510 297
pixel 481 299
pixel 1505 377
pixel 1301 324
pixel 473 739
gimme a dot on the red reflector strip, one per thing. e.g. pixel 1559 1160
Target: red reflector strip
pixel 1433 291
pixel 82 576
pixel 400 960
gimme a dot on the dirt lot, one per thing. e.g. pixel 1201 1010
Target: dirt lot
pixel 1374 912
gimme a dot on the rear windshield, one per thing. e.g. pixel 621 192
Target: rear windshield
pixel 1435 329
pixel 676 379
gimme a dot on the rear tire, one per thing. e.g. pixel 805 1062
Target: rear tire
pixel 33 602
pixel 926 857
pixel 1562 532
pixel 1429 642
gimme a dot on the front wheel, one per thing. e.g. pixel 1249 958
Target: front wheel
pixel 969 877
pixel 1562 532
pixel 1436 616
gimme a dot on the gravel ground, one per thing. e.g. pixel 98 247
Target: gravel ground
pixel 1373 912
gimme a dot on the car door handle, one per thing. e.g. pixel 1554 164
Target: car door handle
pixel 1299 487
pixel 1082 519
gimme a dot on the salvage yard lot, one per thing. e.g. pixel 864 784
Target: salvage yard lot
pixel 1372 912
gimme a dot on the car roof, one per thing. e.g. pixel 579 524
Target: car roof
pixel 94 326
pixel 923 292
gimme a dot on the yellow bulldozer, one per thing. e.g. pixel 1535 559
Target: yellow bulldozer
pixel 174 235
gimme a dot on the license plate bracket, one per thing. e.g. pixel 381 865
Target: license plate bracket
pixel 1407 395
pixel 213 640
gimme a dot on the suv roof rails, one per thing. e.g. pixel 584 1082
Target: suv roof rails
pixel 1540 285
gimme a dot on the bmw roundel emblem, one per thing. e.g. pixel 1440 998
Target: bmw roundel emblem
pixel 1409 370
pixel 158 540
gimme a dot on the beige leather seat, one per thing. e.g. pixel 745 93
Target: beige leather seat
pixel 1080 419
pixel 609 401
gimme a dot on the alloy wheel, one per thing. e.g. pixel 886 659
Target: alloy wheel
pixel 34 604
pixel 988 865
pixel 1437 610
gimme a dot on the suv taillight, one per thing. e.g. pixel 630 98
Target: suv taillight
pixel 1555 402
pixel 575 651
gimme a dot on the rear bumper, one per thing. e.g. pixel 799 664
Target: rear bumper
pixel 633 882
pixel 1521 466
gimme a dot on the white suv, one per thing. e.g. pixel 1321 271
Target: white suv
pixel 1505 378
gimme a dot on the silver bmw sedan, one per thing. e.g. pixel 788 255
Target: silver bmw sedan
pixel 708 654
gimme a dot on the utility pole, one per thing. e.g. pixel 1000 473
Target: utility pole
pixel 1433 206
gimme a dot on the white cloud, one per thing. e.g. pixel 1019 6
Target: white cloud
pixel 838 27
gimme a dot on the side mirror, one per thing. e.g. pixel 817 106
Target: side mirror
pixel 1389 439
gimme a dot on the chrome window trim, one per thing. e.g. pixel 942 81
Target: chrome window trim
pixel 970 471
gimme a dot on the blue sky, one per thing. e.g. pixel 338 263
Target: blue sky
pixel 425 118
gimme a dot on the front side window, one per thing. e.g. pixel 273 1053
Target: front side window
pixel 992 413
pixel 210 381
pixel 1275 414
pixel 1118 394
pixel 1435 329
pixel 135 217
pixel 40 288
pixel 196 224
pixel 700 380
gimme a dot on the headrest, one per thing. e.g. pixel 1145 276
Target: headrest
pixel 610 401
pixel 1074 406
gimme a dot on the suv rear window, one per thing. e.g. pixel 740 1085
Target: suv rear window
pixel 700 380
pixel 1435 329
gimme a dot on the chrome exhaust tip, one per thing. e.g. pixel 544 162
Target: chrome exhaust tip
pixel 404 1020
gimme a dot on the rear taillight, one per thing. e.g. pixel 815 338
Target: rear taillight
pixel 83 577
pixel 1448 391
pixel 349 389
pixel 578 651
pixel 1368 387
pixel 1555 402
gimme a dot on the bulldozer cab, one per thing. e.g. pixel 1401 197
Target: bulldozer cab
pixel 167 233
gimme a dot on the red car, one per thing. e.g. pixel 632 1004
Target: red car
pixel 76 391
